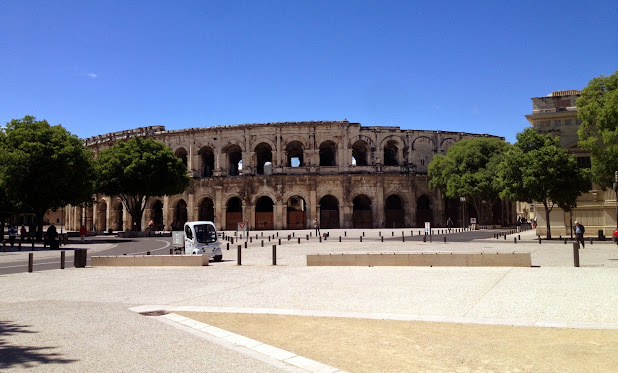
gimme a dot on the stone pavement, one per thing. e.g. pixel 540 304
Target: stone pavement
pixel 80 319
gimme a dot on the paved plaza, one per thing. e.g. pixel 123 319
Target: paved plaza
pixel 88 319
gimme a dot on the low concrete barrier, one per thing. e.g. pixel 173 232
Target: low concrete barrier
pixel 423 259
pixel 149 260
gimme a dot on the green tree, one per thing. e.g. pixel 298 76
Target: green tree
pixel 138 169
pixel 44 167
pixel 536 168
pixel 468 170
pixel 597 108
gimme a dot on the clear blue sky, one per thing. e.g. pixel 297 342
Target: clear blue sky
pixel 469 66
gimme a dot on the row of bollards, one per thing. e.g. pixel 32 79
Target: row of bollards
pixel 79 259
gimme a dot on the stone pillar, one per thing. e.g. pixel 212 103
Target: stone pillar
pixel 278 214
pixel 108 215
pixel 278 150
pixel 379 208
pixel 166 213
pixel 219 206
pixel 191 208
pixel 313 208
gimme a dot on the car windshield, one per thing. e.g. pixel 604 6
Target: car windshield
pixel 205 233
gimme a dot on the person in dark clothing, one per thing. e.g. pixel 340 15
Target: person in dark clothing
pixel 579 233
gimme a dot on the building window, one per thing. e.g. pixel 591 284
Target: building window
pixel 583 162
pixel 557 123
pixel 568 122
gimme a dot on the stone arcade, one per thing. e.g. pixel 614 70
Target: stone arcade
pixel 283 175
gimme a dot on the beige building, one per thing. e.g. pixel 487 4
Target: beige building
pixel 556 114
pixel 285 175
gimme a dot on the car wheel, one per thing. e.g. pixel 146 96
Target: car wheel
pixel 218 258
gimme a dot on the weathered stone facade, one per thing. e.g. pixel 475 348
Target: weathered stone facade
pixel 285 175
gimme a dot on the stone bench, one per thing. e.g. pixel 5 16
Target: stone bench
pixel 521 259
pixel 150 260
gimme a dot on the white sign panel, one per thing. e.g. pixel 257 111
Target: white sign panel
pixel 428 227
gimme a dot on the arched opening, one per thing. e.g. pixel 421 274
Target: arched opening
pixel 180 215
pixel 360 153
pixel 157 215
pixel 117 216
pixel 297 213
pixel 264 216
pixel 391 154
pixel 328 153
pixel 183 155
pixel 234 156
pixel 423 211
pixel 452 210
pixel 394 212
pixel 362 216
pixel 294 152
pixel 206 210
pixel 102 216
pixel 329 212
pixel 264 155
pixel 233 213
pixel 207 158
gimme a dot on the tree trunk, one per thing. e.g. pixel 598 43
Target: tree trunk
pixel 2 230
pixel 547 211
pixel 39 224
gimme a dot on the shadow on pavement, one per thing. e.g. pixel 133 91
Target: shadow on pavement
pixel 24 356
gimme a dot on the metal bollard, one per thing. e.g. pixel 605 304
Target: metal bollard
pixel 245 244
pixel 539 239
pixel 361 238
pixel 30 262
pixel 444 238
pixel 424 238
pixel 565 241
pixel 298 239
pixel 403 238
pixel 576 254
pixel 280 242
pixel 339 238
pixel 382 238
pixel 228 246
pixel 262 243
pixel 363 234
pixel 320 238
pixel 514 239
pixel 274 255
pixel 345 234
pixel 172 251
pixel 239 255
pixel 62 257
pixel 307 237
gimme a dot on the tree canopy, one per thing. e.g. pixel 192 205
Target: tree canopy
pixel 43 167
pixel 136 170
pixel 468 170
pixel 536 168
pixel 597 109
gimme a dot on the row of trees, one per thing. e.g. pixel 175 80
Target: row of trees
pixel 45 167
pixel 535 168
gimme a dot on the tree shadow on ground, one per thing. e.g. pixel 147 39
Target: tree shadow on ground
pixel 24 356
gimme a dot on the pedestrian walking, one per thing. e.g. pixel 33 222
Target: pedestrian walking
pixel 316 225
pixel 449 223
pixel 23 233
pixel 12 234
pixel 579 233
pixel 82 232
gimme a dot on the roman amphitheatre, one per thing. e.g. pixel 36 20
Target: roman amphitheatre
pixel 285 175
